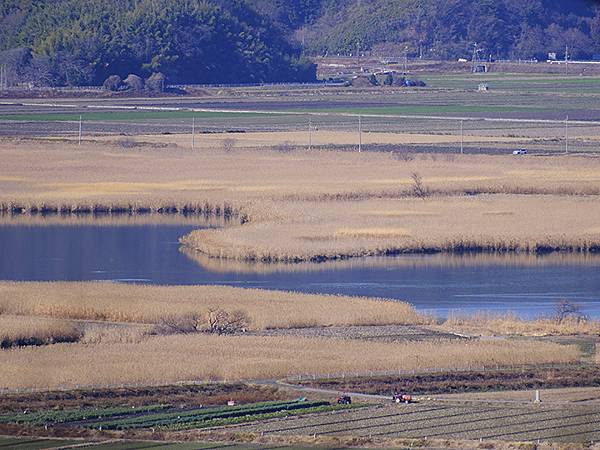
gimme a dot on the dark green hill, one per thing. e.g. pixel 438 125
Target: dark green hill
pixel 191 41
pixel 449 28
pixel 244 41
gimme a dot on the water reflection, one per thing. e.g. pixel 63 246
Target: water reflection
pixel 414 261
pixel 150 253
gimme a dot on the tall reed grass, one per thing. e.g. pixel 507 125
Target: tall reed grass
pixel 20 331
pixel 168 359
pixel 319 231
pixel 148 304
pixel 511 324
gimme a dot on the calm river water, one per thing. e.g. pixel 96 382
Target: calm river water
pixel 527 285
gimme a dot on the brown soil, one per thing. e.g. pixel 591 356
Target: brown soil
pixel 448 383
pixel 180 395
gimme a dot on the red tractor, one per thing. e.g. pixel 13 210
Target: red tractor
pixel 402 398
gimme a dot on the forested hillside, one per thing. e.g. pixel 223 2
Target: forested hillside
pixel 192 41
pixel 70 42
pixel 449 29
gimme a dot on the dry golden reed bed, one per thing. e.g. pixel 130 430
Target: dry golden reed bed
pixel 18 330
pixel 319 137
pixel 62 172
pixel 528 224
pixel 510 324
pixel 167 359
pixel 148 304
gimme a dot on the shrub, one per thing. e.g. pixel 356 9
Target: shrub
pixel 228 144
pixel 127 143
pixel 156 82
pixel 112 83
pixel 284 147
pixel 178 324
pixel 134 83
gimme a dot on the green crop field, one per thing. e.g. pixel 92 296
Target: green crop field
pixel 520 83
pixel 117 116
pixel 166 417
pixel 65 416
pixel 431 109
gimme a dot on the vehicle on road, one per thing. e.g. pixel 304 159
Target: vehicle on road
pixel 402 398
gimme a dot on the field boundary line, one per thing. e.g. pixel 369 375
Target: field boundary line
pixel 304 113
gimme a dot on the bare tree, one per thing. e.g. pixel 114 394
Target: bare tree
pixel 228 144
pixel 419 190
pixel 567 309
pixel 178 324
pixel 220 321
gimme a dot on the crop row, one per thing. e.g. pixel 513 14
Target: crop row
pixel 257 417
pixel 65 416
pixel 201 415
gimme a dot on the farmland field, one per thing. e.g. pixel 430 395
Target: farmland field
pixel 433 420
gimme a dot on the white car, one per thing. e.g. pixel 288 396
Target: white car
pixel 521 151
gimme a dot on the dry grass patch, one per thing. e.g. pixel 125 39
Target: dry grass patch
pixel 371 233
pixel 299 139
pixel 55 172
pixel 167 359
pixel 149 304
pixel 96 333
pixel 511 324
pixel 407 213
pixel 20 331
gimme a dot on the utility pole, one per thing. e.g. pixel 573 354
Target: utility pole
pixel 309 133
pixel 193 132
pixel 567 135
pixel 80 129
pixel 462 140
pixel 475 57
pixel 359 133
pixel 566 59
